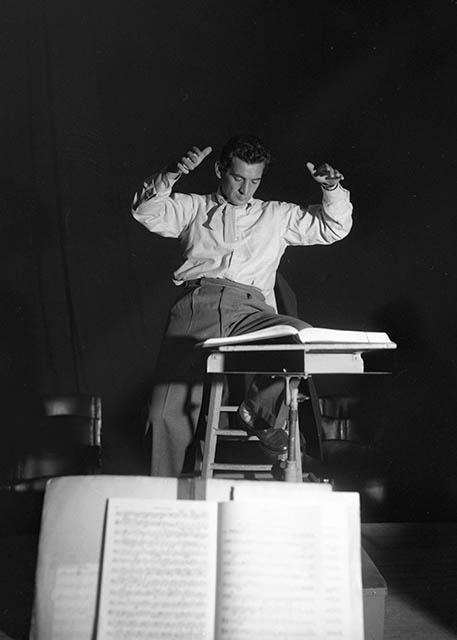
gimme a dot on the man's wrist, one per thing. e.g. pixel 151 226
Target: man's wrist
pixel 329 187
pixel 147 189
pixel 173 171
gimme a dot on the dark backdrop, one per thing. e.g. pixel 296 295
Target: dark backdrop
pixel 99 93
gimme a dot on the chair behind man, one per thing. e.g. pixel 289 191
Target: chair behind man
pixel 66 441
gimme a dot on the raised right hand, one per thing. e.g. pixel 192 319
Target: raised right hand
pixel 190 160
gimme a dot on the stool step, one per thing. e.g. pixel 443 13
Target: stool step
pixel 232 432
pixel 219 466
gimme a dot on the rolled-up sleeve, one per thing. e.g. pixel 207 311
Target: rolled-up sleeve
pixel 160 210
pixel 323 223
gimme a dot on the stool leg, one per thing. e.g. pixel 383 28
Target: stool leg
pixel 293 471
pixel 298 451
pixel 214 411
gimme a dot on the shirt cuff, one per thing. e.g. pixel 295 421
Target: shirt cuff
pixel 158 184
pixel 334 194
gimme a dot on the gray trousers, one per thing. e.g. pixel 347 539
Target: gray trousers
pixel 208 308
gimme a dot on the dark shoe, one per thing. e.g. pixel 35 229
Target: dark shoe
pixel 273 440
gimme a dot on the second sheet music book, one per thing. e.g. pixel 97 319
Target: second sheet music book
pixel 232 570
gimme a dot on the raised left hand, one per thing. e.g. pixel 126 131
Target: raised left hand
pixel 324 174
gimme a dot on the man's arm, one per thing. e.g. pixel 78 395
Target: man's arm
pixel 327 222
pixel 156 207
pixel 163 182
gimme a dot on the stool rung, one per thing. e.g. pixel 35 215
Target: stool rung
pixel 232 432
pixel 240 467
pixel 228 408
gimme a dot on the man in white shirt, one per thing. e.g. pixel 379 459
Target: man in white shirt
pixel 232 244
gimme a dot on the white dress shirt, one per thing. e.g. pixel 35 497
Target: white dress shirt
pixel 241 243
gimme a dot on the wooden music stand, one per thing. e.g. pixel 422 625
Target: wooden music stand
pixel 293 362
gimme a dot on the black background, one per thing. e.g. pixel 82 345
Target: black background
pixel 96 95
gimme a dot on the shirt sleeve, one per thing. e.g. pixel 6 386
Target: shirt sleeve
pixel 323 223
pixel 160 210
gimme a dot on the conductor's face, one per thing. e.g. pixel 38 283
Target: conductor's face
pixel 240 180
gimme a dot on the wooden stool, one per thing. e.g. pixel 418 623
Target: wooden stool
pixel 215 434
pixel 291 461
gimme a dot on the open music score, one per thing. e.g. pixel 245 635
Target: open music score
pixel 233 570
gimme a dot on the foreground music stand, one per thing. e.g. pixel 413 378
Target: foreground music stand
pixel 293 362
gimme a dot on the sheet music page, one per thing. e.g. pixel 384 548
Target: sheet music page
pixel 319 334
pixel 290 571
pixel 159 570
pixel 74 597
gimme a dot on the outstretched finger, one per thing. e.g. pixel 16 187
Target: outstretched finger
pixel 197 155
pixel 310 166
pixel 206 151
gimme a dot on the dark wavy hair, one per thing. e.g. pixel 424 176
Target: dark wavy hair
pixel 246 147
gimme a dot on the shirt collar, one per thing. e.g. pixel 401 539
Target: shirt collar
pixel 220 199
